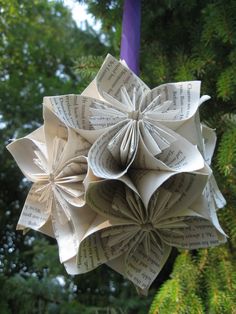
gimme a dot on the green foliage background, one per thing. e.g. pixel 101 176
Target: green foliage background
pixel 42 52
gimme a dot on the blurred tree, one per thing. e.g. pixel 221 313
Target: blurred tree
pixel 39 41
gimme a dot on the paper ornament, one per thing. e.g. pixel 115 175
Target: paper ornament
pixel 122 174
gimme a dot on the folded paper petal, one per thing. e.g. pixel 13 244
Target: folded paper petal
pixel 84 113
pixel 180 156
pixel 141 268
pixel 24 151
pixel 102 161
pixel 112 76
pixel 106 197
pixel 198 233
pixel 205 207
pixel 34 213
pixel 209 143
pixel 188 185
pixel 182 100
pixel 92 251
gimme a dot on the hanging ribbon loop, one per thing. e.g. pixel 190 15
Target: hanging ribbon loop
pixel 130 38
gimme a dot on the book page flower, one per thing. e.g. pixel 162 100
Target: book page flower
pixel 57 167
pixel 135 239
pixel 127 117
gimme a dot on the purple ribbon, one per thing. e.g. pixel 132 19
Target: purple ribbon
pixel 130 38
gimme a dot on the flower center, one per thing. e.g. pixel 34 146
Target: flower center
pixel 134 115
pixel 51 178
pixel 147 226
